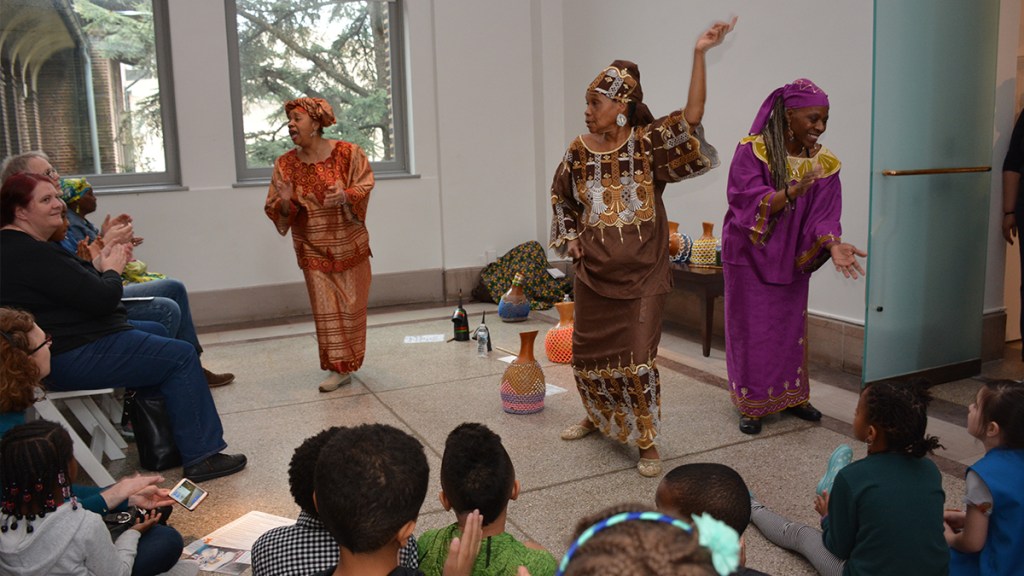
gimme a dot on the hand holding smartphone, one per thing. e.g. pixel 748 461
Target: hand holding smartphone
pixel 188 494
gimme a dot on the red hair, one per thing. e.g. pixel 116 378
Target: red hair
pixel 17 193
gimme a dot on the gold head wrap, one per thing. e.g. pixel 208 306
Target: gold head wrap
pixel 621 82
pixel 317 108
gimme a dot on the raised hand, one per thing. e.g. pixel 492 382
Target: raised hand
pixel 118 234
pixel 844 256
pixel 336 197
pixel 113 257
pixel 803 185
pixel 119 220
pixel 462 552
pixel 714 35
pixel 151 497
pixel 284 188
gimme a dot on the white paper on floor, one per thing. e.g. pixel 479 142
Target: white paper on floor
pixel 551 390
pixel 424 338
pixel 507 359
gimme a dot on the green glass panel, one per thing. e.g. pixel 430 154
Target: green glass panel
pixel 934 81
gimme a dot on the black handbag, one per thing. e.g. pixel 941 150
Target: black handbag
pixel 119 522
pixel 152 427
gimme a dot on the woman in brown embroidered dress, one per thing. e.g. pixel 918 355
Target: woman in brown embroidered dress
pixel 609 217
pixel 321 190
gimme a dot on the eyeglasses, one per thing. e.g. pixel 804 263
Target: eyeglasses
pixel 47 340
pixel 51 173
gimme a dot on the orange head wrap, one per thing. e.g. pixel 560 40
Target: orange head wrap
pixel 317 108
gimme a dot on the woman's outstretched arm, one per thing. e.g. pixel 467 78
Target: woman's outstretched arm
pixel 694 110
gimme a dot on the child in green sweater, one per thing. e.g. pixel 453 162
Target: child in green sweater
pixel 477 474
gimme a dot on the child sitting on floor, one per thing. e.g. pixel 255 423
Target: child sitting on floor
pixel 988 538
pixel 884 513
pixel 369 485
pixel 307 546
pixel 43 529
pixel 477 474
pixel 631 539
pixel 705 487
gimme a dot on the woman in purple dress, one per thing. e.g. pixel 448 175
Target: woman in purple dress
pixel 783 224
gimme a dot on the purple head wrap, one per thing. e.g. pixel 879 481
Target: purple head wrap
pixel 802 93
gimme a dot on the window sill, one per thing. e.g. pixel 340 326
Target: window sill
pixel 264 182
pixel 118 190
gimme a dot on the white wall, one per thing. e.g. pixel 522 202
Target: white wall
pixel 496 93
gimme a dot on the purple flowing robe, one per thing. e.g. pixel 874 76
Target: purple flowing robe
pixel 768 260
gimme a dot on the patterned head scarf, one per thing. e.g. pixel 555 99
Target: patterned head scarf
pixel 317 108
pixel 802 93
pixel 71 189
pixel 620 81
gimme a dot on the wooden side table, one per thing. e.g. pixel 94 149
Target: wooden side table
pixel 708 284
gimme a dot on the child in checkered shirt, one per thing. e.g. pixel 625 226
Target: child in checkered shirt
pixel 306 546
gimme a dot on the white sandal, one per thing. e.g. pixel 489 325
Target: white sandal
pixel 335 381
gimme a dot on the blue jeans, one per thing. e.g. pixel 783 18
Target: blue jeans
pixel 151 365
pixel 159 549
pixel 169 307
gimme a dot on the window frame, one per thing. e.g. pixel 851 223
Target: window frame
pixel 170 177
pixel 399 166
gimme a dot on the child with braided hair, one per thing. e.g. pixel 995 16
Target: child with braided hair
pixel 633 540
pixel 883 515
pixel 988 537
pixel 43 530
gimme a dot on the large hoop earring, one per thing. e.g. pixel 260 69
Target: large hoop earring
pixel 620 120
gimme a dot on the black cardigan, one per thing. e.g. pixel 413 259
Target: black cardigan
pixel 71 300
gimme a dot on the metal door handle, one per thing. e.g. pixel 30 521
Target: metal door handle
pixel 928 171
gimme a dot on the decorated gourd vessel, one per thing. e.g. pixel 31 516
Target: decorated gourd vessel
pixel 514 305
pixel 558 341
pixel 522 384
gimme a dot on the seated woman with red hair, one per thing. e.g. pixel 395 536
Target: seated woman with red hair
pixel 94 346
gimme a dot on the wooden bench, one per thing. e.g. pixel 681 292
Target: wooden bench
pixel 707 284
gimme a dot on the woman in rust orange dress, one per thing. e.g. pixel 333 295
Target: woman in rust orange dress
pixel 320 190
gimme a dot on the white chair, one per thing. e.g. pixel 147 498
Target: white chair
pixel 104 438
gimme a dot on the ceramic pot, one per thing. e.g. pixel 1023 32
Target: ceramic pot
pixel 514 305
pixel 522 384
pixel 705 248
pixel 558 341
pixel 679 245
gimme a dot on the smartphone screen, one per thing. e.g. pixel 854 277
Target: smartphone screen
pixel 188 494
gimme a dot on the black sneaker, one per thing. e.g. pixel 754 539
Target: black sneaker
pixel 215 466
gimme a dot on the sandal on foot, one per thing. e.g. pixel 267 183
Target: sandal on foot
pixel 335 381
pixel 576 431
pixel 750 425
pixel 842 456
pixel 649 467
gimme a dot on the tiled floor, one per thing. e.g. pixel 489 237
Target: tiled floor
pixel 429 388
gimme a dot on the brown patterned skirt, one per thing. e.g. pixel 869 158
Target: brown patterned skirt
pixel 615 343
